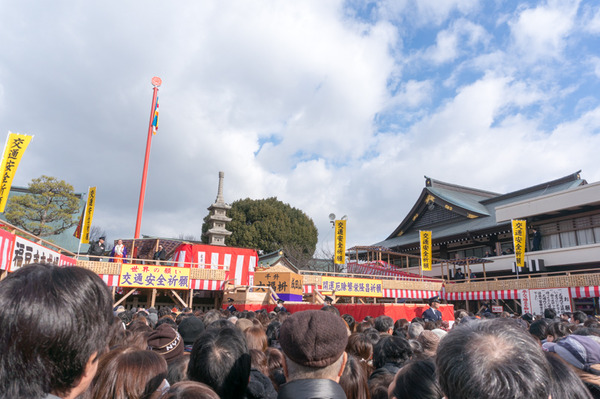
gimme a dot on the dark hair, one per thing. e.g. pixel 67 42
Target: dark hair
pixel 52 321
pixel 258 361
pixel 539 329
pixel 579 316
pixel 190 390
pixel 275 366
pixel 391 349
pixel 492 359
pixel 354 380
pixel 125 373
pixel 273 333
pixel 558 329
pixel 417 380
pixel 383 323
pixel 221 360
pixel 349 321
pixel 330 308
pixel 361 347
pixel 378 385
pixel 549 313
pixel 220 324
pixel 564 382
pixel 166 320
pixel 177 369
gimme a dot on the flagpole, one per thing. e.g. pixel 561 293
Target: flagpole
pixel 82 221
pixel 156 82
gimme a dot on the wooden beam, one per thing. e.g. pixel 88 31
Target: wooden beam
pixel 124 297
pixel 153 302
pixel 178 298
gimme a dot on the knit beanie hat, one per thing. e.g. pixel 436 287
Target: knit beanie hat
pixel 165 341
pixel 313 338
pixel 190 329
pixel 429 341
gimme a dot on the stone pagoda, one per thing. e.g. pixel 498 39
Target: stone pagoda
pixel 218 217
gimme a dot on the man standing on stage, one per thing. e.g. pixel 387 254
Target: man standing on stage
pixel 433 314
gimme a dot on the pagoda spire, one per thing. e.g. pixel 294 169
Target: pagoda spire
pixel 218 217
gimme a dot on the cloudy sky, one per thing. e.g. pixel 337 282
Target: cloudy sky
pixel 332 106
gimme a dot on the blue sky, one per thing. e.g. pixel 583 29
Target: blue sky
pixel 332 106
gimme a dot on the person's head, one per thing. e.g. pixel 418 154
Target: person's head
pixel 379 385
pixel 129 373
pixel 350 321
pixel 313 344
pixel 177 369
pixel 54 324
pixel 391 350
pixel 354 380
pixel 190 390
pixel 256 338
pixel 549 313
pixel 101 240
pixel 492 358
pixel 416 380
pixel 579 317
pixel 160 247
pixel 190 329
pixel 556 331
pixel 273 333
pixel 434 302
pixel 120 242
pixel 565 383
pixel 414 330
pixel 328 300
pixel 539 329
pixel 384 324
pixel 221 360
pixel 166 341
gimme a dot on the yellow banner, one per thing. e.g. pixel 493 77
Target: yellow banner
pixel 340 242
pixel 426 249
pixel 15 146
pixel 146 276
pixel 89 215
pixel 280 282
pixel 519 228
pixel 352 286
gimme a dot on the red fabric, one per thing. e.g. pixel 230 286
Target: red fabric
pixel 359 312
pixel 241 262
pixel 6 248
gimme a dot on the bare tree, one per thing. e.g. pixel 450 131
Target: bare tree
pixel 96 232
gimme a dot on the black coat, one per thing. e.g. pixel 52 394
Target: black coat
pixel 311 389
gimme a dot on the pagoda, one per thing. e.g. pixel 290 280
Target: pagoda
pixel 218 217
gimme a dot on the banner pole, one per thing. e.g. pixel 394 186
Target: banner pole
pixel 156 82
pixel 82 222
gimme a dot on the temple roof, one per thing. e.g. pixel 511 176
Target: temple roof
pixel 450 210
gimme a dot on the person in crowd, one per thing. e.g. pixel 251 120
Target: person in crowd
pixel 160 255
pixel 190 390
pixel 177 370
pixel 565 383
pixel 279 307
pixel 167 342
pixel 539 329
pixel 275 367
pixel 416 380
pixel 260 385
pixel 97 249
pixel 220 359
pixel 328 301
pixel 54 323
pixel 459 275
pixel 361 346
pixel 429 343
pixel 579 317
pixel 256 338
pixel 354 380
pixel 313 344
pixel 230 306
pixel 379 385
pixel 129 373
pixel 414 330
pixel 190 329
pixel 349 321
pixel 489 359
pixel 118 253
pixel 433 313
pixel 556 331
pixel 384 324
pixel 390 354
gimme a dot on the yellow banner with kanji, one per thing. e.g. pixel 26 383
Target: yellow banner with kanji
pixel 352 286
pixel 340 242
pixel 89 215
pixel 519 228
pixel 15 146
pixel 146 276
pixel 426 249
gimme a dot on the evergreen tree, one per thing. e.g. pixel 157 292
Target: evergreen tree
pixel 50 208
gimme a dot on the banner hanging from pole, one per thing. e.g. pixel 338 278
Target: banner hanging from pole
pixel 425 250
pixel 340 242
pixel 519 228
pixel 15 146
pixel 89 215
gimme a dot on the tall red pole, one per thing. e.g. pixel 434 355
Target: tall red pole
pixel 156 82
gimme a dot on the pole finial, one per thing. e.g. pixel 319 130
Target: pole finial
pixel 156 81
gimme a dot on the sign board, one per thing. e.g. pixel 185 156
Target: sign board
pixel 280 282
pixel 425 237
pixel 497 309
pixel 340 242
pixel 519 228
pixel 352 286
pixel 146 276
pixel 26 252
pixel 537 300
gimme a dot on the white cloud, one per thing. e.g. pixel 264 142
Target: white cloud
pixel 541 32
pixel 450 43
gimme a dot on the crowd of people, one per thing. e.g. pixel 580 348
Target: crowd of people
pixel 61 338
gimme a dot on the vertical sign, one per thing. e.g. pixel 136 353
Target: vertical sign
pixel 525 301
pixel 89 214
pixel 425 249
pixel 519 238
pixel 15 146
pixel 340 242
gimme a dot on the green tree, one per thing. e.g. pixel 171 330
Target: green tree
pixel 268 225
pixel 51 207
